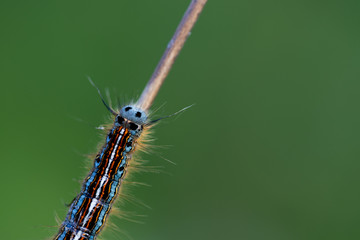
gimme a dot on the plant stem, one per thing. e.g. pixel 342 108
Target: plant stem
pixel 172 51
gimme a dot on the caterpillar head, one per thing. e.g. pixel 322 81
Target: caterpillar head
pixel 133 114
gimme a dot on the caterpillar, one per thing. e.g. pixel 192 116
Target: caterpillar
pixel 90 208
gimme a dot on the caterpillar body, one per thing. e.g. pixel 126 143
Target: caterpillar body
pixel 90 208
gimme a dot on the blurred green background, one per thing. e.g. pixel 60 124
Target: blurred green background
pixel 269 151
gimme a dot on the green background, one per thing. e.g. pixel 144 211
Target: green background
pixel 269 151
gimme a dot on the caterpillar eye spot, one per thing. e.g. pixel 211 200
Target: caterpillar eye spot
pixel 138 114
pixel 133 126
pixel 128 109
pixel 120 120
